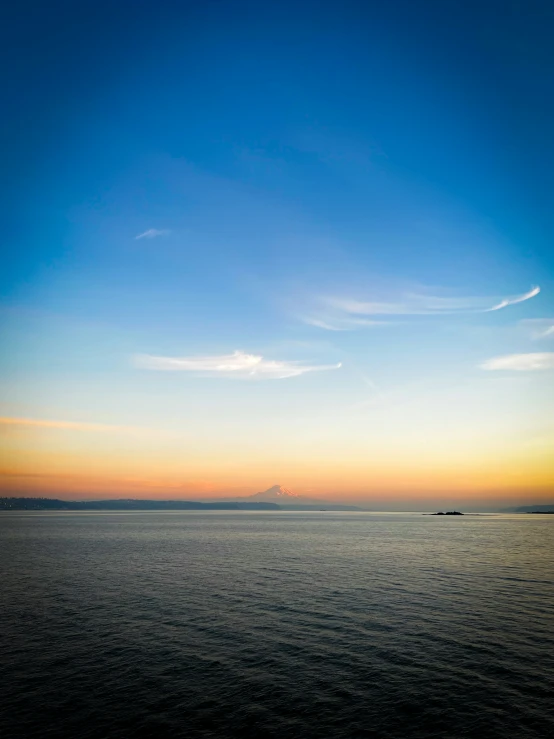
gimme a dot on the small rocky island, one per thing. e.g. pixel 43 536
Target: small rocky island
pixel 448 513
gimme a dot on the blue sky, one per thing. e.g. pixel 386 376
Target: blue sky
pixel 353 200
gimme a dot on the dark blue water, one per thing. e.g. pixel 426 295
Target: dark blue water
pixel 276 625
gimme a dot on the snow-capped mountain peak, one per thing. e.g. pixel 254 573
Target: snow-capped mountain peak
pixel 277 491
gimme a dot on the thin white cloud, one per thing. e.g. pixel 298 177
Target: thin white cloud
pixel 238 364
pixel 151 233
pixel 539 328
pixel 71 425
pixel 521 362
pixel 414 304
pixel 318 323
pixel 342 314
pixel 342 323
pixel 517 299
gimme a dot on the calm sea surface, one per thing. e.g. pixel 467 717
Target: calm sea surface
pixel 276 625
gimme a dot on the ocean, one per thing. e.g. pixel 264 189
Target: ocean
pixel 280 624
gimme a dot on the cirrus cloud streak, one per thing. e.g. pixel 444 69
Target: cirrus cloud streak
pixel 505 302
pixel 539 328
pixel 341 314
pixel 238 364
pixel 521 362
pixel 70 425
pixel 151 233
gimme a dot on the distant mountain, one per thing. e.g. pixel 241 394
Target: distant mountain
pixel 289 501
pixel 276 493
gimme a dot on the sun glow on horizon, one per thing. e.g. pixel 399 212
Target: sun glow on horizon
pixel 57 458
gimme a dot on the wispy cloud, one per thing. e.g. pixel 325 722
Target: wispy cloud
pixel 151 233
pixel 75 425
pixel 344 313
pixel 8 421
pixel 539 328
pixel 521 362
pixel 336 323
pixel 516 299
pixel 238 364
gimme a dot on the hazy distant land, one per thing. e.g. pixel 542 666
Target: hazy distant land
pixel 125 504
pixel 249 503
pixel 131 504
pixel 535 509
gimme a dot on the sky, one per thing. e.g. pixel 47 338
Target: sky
pixel 307 244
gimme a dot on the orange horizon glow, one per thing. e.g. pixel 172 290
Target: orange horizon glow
pixel 83 460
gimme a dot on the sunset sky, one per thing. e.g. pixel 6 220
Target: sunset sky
pixel 309 244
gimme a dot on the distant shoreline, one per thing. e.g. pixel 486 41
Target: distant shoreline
pixel 13 503
pixel 131 504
